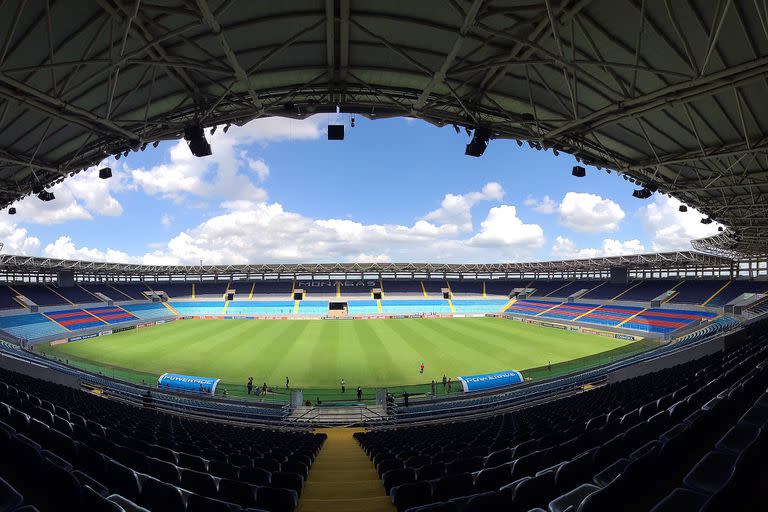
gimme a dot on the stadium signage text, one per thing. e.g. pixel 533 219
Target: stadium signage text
pixel 332 284
pixel 187 383
pixel 490 380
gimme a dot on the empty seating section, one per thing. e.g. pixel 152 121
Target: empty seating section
pixel 686 438
pixel 148 310
pixel 434 288
pixel 414 307
pixel 198 307
pixel 216 290
pixel 357 288
pixel 565 290
pixel 696 292
pixel 173 290
pixel 76 295
pixel 75 319
pixel 569 311
pixel 40 295
pixel 65 450
pixel 395 287
pixel 502 286
pixel 651 320
pixel 362 307
pixel 760 308
pixel 610 315
pixel 478 305
pixel 649 290
pixel 666 320
pixel 735 289
pixel 459 288
pixel 30 326
pixel 262 307
pixel 271 288
pixel 530 307
pixel 544 288
pixel 607 291
pixel 133 290
pixel 313 307
pixel 106 290
pixel 7 300
pixel 111 314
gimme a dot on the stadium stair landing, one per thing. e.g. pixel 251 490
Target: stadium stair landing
pixel 343 478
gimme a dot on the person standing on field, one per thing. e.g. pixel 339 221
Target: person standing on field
pixel 421 368
pixel 250 385
pixel 359 393
pixel 434 387
pixel 445 381
pixel 449 384
pixel 343 385
pixel 286 382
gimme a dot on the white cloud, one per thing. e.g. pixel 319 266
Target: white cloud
pixel 166 220
pixel 64 248
pixel 16 240
pixel 260 168
pixel 455 212
pixel 590 213
pixel 670 229
pixel 564 248
pixel 504 228
pixel 546 205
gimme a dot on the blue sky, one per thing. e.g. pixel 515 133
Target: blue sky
pixel 394 190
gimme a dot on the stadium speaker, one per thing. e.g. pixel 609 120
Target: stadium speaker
pixel 105 173
pixel 11 211
pixel 642 193
pixel 335 132
pixel 46 196
pixel 479 142
pixel 579 171
pixel 706 220
pixel 682 208
pixel 195 137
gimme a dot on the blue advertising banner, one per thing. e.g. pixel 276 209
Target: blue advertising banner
pixel 490 380
pixel 187 383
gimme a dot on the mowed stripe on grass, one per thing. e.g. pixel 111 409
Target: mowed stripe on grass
pixel 317 354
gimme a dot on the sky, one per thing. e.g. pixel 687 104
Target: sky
pixel 395 190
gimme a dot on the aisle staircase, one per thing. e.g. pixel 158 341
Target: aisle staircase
pixel 343 478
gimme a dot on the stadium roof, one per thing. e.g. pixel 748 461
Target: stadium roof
pixel 673 94
pixel 29 264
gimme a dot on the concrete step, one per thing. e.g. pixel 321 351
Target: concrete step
pixel 374 504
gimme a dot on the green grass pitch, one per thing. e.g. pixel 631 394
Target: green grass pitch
pixel 317 354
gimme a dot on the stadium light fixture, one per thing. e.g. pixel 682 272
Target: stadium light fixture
pixel 579 171
pixel 46 196
pixel 642 193
pixel 105 173
pixel 156 143
pixel 226 128
pixel 706 220
pixel 12 211
pixel 335 132
pixel 195 138
pixel 479 142
pixel 682 208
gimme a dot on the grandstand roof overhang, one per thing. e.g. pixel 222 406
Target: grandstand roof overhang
pixel 31 265
pixel 672 94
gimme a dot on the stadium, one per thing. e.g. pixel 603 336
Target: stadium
pixel 235 372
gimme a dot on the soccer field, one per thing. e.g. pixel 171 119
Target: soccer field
pixel 317 354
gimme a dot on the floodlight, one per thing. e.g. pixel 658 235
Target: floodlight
pixel 11 211
pixel 642 193
pixel 579 171
pixel 195 138
pixel 335 132
pixel 683 208
pixel 105 173
pixel 46 196
pixel 706 220
pixel 479 142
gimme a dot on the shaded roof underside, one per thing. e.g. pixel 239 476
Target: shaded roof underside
pixel 671 93
pixel 655 261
